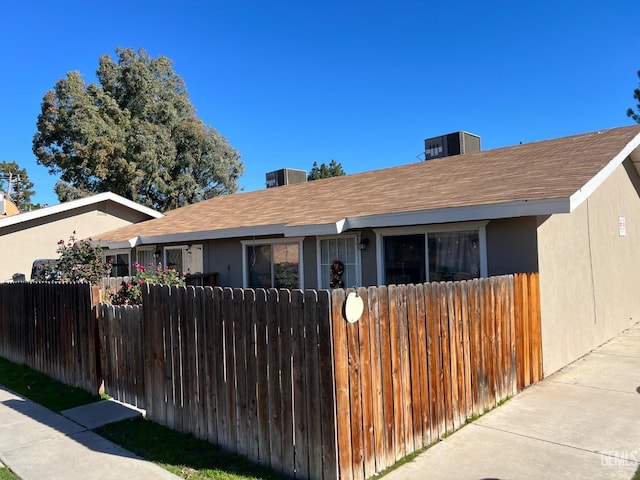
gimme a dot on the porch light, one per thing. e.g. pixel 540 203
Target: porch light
pixel 364 243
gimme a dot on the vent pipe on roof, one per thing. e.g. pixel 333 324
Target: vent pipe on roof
pixel 456 143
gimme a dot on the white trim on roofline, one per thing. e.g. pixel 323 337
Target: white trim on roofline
pixel 73 204
pixel 588 188
pixel 462 214
pixel 422 217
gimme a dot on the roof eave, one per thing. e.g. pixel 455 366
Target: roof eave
pixel 521 208
pixel 631 150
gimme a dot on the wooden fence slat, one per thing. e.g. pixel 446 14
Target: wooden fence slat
pixel 327 388
pixel 413 321
pixel 366 379
pixel 215 343
pixel 341 373
pixel 376 378
pixel 355 399
pixel 262 358
pixel 275 382
pixel 300 379
pixel 387 375
pixel 312 372
pixel 229 370
pixel 253 452
pixel 240 345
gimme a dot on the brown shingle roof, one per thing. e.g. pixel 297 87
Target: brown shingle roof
pixel 547 170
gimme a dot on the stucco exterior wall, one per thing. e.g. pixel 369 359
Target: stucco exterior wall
pixel 589 272
pixel 225 258
pixel 22 243
pixel 512 246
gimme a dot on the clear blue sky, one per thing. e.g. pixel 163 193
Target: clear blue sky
pixel 362 82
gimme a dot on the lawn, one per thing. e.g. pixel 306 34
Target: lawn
pixel 181 454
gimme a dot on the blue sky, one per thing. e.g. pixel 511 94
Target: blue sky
pixel 362 82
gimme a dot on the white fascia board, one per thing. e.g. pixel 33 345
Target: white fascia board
pixel 121 244
pixel 315 230
pixel 73 204
pixel 585 192
pixel 462 214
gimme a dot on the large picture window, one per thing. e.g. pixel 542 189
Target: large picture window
pixel 272 265
pixel 434 254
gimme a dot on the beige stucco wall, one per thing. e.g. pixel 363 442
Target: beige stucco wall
pixel 588 271
pixel 21 244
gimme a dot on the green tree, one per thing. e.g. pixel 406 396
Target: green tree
pixel 21 189
pixel 134 133
pixel 334 169
pixel 635 114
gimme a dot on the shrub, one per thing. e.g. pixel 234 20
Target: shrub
pixel 79 261
pixel 130 292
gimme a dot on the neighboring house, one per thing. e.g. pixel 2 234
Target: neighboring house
pixel 7 207
pixel 34 235
pixel 568 208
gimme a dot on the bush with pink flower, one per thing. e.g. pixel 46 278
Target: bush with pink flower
pixel 130 292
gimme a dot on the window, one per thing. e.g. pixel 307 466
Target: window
pixel 345 250
pixel 184 258
pixel 119 260
pixel 146 256
pixel 404 259
pixel 272 264
pixel 434 253
pixel 454 255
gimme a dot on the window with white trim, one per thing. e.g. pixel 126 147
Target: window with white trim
pixel 187 259
pixel 272 264
pixel 435 253
pixel 343 249
pixel 119 260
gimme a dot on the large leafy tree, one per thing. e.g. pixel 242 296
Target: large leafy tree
pixel 21 189
pixel 135 133
pixel 334 169
pixel 630 112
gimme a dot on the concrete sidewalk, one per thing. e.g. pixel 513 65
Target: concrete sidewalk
pixel 582 422
pixel 36 443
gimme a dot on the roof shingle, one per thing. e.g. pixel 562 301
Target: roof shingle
pixel 545 170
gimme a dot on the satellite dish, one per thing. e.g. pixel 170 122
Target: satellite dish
pixel 353 307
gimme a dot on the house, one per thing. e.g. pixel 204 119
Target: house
pixel 7 207
pixel 568 208
pixel 26 237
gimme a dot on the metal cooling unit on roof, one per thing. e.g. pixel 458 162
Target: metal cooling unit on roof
pixel 455 143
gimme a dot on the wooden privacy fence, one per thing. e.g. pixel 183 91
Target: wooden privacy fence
pixel 51 328
pixel 283 379
pixel 280 376
pixel 424 358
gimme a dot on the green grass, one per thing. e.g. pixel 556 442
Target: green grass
pixel 637 475
pixel 181 454
pixel 6 474
pixel 42 389
pixel 184 455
